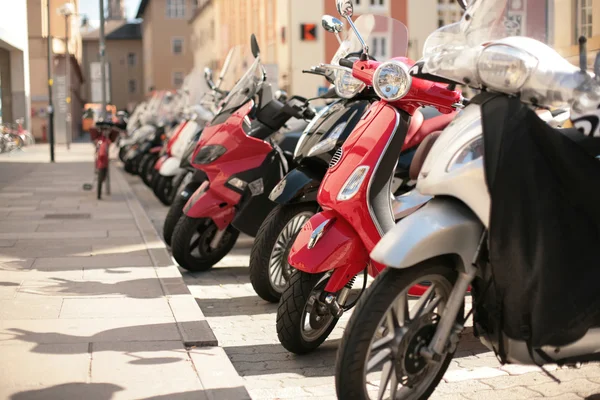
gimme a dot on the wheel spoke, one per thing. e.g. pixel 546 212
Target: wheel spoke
pixel 425 298
pixel 382 342
pixel 393 385
pixel 380 357
pixel 400 310
pixel 386 374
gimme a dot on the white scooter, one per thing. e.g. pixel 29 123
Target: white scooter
pixel 399 348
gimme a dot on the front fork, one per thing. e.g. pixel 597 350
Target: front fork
pixel 448 328
pixel 333 302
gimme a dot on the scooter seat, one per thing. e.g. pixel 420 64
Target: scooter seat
pixel 421 154
pixel 425 128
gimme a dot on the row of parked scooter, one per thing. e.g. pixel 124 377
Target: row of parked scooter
pixel 396 175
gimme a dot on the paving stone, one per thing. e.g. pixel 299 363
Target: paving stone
pixel 117 273
pixel 581 387
pixel 477 373
pixel 53 235
pixel 92 261
pixel 123 233
pixel 114 308
pixel 515 393
pixel 217 373
pixel 462 387
pixel 526 380
pixel 45 308
pixel 36 365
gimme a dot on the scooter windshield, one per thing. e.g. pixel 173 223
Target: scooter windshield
pixel 492 47
pixel 386 38
pixel 246 88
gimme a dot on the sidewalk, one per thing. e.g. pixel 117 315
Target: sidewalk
pixel 91 306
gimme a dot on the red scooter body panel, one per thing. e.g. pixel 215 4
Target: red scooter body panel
pixel 243 153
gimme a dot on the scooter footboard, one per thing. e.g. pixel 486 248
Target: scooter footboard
pixel 333 243
pixel 206 203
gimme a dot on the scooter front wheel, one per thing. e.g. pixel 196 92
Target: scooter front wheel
pixel 192 243
pixel 303 321
pixel 269 269
pixel 379 356
pixel 162 187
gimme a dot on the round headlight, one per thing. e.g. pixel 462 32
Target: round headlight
pixel 391 80
pixel 346 86
pixel 505 68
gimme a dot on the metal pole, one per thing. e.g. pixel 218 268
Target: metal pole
pixel 103 75
pixel 50 83
pixel 68 83
pixel 103 59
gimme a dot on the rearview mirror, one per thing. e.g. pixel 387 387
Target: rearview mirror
pixel 208 76
pixel 345 8
pixel 332 24
pixel 254 46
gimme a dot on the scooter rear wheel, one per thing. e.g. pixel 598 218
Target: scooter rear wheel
pixel 102 172
pixel 191 243
pixel 146 168
pixel 269 269
pixel 162 187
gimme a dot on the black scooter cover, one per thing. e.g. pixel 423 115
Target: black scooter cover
pixel 544 236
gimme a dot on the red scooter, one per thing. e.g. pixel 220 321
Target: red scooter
pixel 240 160
pixel 333 247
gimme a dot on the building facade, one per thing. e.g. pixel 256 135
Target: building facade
pixel 14 63
pixel 124 58
pixel 167 50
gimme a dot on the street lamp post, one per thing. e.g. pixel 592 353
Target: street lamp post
pixel 67 10
pixel 50 83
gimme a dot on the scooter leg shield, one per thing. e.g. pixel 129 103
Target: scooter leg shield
pixel 159 163
pixel 334 245
pixel 205 203
pixel 170 167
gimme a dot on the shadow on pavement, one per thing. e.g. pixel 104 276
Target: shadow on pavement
pixel 249 305
pixel 134 288
pixel 593 397
pixel 265 359
pixel 87 391
pixel 237 275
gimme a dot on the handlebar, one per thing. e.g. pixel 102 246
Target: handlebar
pixel 344 62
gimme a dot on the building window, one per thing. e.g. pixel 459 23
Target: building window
pixel 131 59
pixel 379 3
pixel 448 12
pixel 177 79
pixel 378 47
pixel 584 18
pixel 177 45
pixel 357 2
pixel 132 86
pixel 176 8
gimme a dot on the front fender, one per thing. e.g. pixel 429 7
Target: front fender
pixel 159 163
pixel 170 167
pixel 339 249
pixel 206 203
pixel 441 227
pixel 300 185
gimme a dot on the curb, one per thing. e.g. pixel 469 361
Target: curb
pixel 191 322
pixel 220 379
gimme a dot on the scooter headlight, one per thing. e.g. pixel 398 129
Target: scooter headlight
pixel 391 80
pixel 346 86
pixel 208 154
pixel 329 142
pixel 468 153
pixel 353 183
pixel 505 68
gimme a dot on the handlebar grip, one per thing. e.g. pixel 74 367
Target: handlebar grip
pixel 309 114
pixel 344 62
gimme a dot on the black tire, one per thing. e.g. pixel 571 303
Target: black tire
pixel 183 250
pixel 130 166
pixel 146 168
pixel 173 216
pixel 268 235
pixel 122 153
pixel 176 186
pixel 371 309
pixel 101 177
pixel 162 187
pixel 290 314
